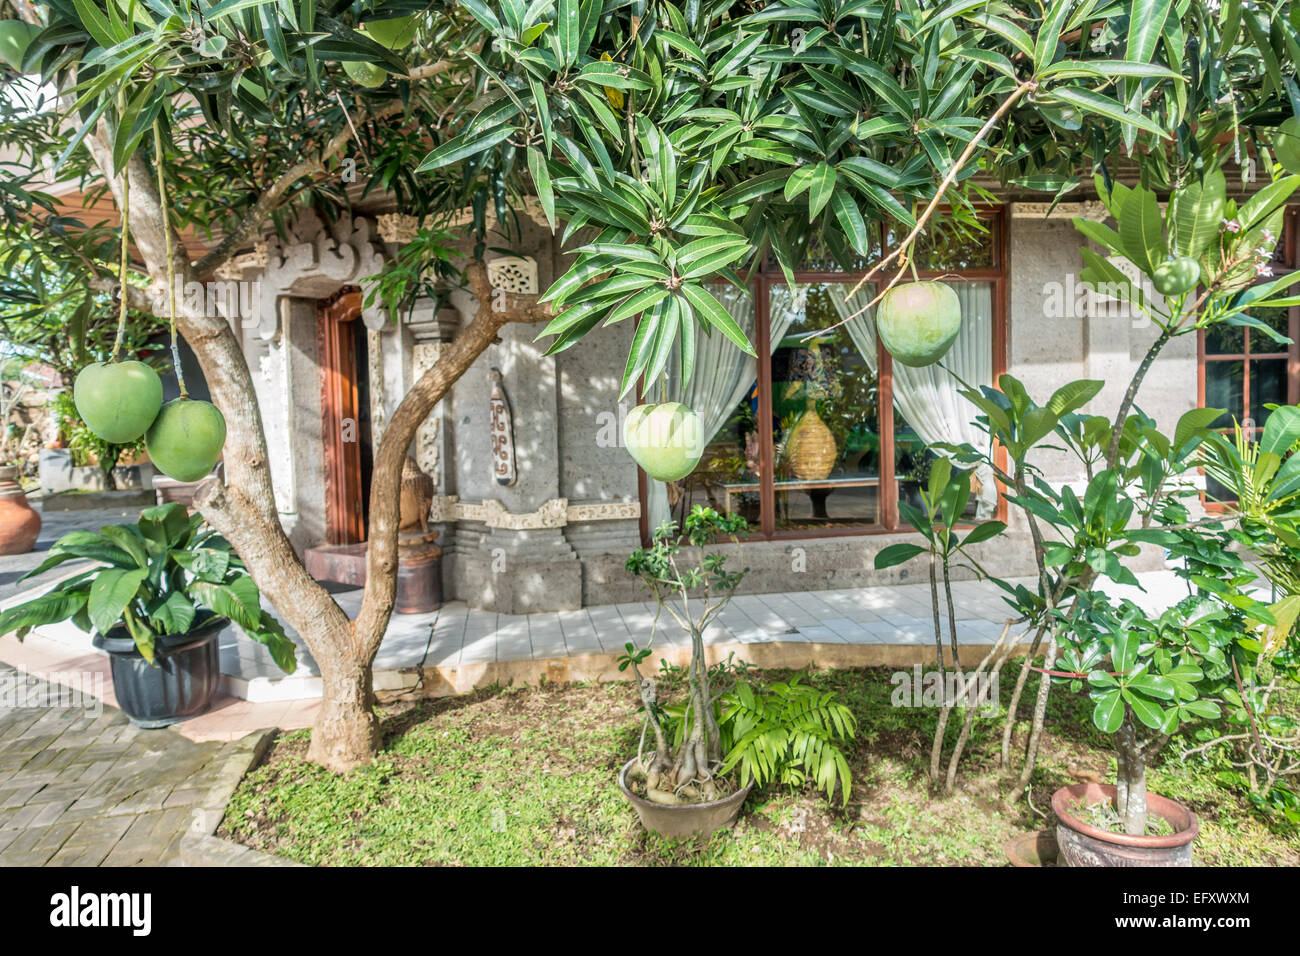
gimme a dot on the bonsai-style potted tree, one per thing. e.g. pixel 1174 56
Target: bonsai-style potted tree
pixel 160 594
pixel 709 752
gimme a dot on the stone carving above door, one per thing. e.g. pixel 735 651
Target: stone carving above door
pixel 313 262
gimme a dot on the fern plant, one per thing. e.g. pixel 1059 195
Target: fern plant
pixel 787 733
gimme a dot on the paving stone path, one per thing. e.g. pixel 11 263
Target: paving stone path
pixel 80 786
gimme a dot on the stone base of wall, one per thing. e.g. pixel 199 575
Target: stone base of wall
pixel 509 584
pixel 809 564
pixel 515 585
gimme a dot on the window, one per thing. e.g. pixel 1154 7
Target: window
pixel 1244 371
pixel 824 434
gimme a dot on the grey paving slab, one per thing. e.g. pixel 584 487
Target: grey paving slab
pixel 92 790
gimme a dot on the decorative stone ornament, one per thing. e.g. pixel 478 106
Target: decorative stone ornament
pixel 517 274
pixel 503 433
pixel 314 262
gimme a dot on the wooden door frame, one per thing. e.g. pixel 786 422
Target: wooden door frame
pixel 340 400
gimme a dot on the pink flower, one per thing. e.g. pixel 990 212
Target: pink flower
pixel 1263 269
pixel 1231 225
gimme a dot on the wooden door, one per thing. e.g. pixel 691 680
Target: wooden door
pixel 341 411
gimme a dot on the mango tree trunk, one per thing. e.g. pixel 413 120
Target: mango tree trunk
pixel 243 509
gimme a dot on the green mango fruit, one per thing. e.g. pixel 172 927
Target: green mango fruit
pixel 186 438
pixel 15 37
pixel 1286 145
pixel 395 33
pixel 367 74
pixel 666 440
pixel 918 322
pixel 1176 276
pixel 118 401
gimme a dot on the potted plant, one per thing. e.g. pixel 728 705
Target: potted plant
pixel 160 594
pixel 1203 257
pixel 710 750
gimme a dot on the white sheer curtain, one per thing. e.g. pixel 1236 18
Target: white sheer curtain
pixel 723 374
pixel 928 397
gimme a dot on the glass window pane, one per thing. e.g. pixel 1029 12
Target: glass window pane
pixel 1267 387
pixel 949 249
pixel 929 409
pixel 1279 320
pixel 1224 388
pixel 726 478
pixel 820 256
pixel 824 425
pixel 1224 339
pixel 723 392
pixel 1217 492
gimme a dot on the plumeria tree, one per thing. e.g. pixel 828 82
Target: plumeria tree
pixel 670 145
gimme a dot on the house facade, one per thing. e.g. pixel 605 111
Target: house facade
pixel 815 442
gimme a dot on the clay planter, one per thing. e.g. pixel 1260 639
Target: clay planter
pixel 181 686
pixel 1033 849
pixel 1085 845
pixel 19 522
pixel 687 820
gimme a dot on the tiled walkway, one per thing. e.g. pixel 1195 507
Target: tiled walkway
pixel 457 648
pixel 80 786
pixel 459 636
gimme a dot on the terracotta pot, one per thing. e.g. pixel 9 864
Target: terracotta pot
pixel 1033 849
pixel 19 522
pixel 688 819
pixel 1084 845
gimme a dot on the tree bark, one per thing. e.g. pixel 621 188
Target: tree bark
pixel 1130 778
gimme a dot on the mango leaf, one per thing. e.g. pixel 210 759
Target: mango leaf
pixel 1105 106
pixel 463 146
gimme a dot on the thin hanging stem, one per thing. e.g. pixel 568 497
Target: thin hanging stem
pixel 126 242
pixel 171 265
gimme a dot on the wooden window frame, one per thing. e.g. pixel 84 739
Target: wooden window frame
pixel 1290 249
pixel 765 278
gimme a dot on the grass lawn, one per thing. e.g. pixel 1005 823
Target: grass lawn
pixel 527 776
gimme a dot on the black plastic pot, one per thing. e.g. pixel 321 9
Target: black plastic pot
pixel 182 684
